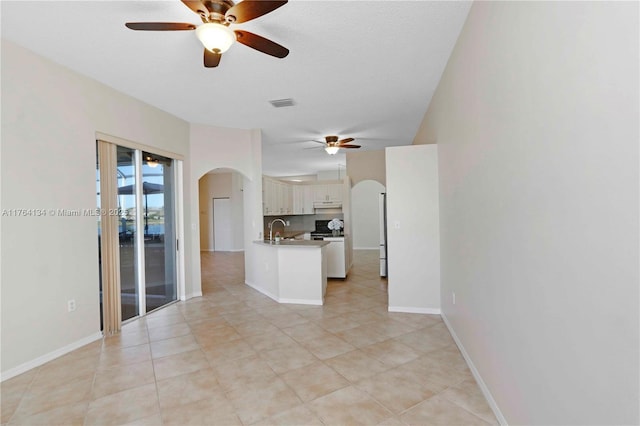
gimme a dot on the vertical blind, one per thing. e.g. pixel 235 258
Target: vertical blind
pixel 109 242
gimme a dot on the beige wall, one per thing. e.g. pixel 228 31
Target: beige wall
pixel 413 228
pixel 213 148
pixel 366 165
pixel 221 185
pixel 50 117
pixel 536 120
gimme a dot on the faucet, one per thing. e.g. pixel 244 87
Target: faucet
pixel 271 227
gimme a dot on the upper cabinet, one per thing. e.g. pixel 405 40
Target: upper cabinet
pixel 328 194
pixel 303 199
pixel 282 198
pixel 277 197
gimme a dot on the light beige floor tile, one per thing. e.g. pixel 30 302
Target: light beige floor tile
pixel 152 420
pixel 123 407
pixel 262 399
pixel 68 415
pixel 122 377
pixel 467 394
pixel 47 398
pixel 61 371
pixel 305 332
pixel 222 352
pixel 288 358
pixel 434 373
pixel 328 347
pixel 255 327
pixel 393 328
pixel 315 380
pixel 208 411
pixel 188 388
pixel 286 320
pixel 235 373
pixel 215 336
pixel 394 392
pixel 363 335
pixel 115 355
pixel 127 338
pixel 169 331
pixel 337 323
pixel 297 416
pixel 182 363
pixel 391 352
pixel 356 365
pixel 439 411
pixel 349 406
pixel 426 340
pixel 156 321
pixel 268 341
pixel 176 345
pixel 11 392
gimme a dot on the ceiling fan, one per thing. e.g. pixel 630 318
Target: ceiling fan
pixel 332 144
pixel 214 32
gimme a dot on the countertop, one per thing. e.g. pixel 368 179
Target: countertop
pixel 293 243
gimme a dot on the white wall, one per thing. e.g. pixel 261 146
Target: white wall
pixel 365 215
pixel 50 117
pixel 241 150
pixel 413 228
pixel 536 119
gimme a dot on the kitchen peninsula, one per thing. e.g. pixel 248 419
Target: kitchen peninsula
pixel 292 271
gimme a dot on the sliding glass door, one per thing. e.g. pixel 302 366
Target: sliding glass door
pixel 159 230
pixel 138 249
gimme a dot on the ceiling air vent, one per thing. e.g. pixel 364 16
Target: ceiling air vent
pixel 281 103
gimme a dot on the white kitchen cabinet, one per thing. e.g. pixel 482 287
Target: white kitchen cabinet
pixel 302 199
pixel 328 192
pixel 277 198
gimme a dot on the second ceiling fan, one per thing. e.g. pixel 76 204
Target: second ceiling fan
pixel 214 32
pixel 333 145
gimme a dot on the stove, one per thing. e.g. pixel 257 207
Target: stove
pixel 322 230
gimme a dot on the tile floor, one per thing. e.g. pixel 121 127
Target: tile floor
pixel 235 357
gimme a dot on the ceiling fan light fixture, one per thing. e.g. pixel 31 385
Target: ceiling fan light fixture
pixel 215 37
pixel 332 150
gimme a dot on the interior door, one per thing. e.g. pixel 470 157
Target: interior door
pixel 221 224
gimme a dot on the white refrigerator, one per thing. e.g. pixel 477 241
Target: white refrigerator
pixel 383 234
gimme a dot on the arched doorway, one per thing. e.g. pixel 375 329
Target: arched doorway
pixel 221 225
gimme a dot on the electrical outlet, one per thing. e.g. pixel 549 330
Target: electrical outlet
pixel 288 223
pixel 453 297
pixel 71 305
pixel 396 224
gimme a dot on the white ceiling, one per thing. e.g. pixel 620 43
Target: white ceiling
pixel 361 69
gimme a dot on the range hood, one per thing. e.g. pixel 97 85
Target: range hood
pixel 327 204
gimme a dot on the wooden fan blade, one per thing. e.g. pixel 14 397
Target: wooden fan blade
pixel 248 10
pixel 197 6
pixel 261 44
pixel 347 140
pixel 159 26
pixel 349 146
pixel 211 59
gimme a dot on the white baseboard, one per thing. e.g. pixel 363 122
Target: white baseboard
pixel 367 248
pixel 410 310
pixel 476 374
pixel 302 301
pixel 263 291
pixel 13 372
pixel 236 250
